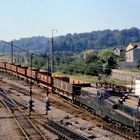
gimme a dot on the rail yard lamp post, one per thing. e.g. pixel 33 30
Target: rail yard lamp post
pixel 12 50
pixel 52 51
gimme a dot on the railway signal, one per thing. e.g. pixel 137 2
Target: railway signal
pixel 47 105
pixel 30 105
pixel 139 103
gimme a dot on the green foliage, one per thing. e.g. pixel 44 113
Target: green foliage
pixel 38 62
pixel 89 66
pixel 109 60
pixel 77 42
pixel 97 40
pixel 91 58
pixel 94 68
pixel 105 54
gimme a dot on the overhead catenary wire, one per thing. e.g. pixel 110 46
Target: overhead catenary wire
pixel 15 46
pixel 11 44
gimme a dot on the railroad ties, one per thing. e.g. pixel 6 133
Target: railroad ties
pixel 27 127
pixel 63 132
pixel 121 131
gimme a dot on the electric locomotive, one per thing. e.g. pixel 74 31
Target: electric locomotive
pixel 122 109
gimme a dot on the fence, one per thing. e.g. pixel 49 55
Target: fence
pixel 124 75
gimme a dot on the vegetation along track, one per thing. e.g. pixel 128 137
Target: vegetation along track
pixel 28 128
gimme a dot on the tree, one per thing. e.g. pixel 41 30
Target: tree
pixel 112 62
pixel 94 68
pixel 104 54
pixel 91 58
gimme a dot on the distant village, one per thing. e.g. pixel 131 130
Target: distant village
pixel 131 53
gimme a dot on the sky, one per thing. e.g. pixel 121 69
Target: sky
pixel 27 18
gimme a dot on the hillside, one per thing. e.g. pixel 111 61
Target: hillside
pixel 78 42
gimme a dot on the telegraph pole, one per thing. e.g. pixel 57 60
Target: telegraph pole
pixel 52 51
pixel 31 76
pixel 12 47
pixel 48 65
pixel 30 103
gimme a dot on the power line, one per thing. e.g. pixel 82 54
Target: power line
pixel 15 46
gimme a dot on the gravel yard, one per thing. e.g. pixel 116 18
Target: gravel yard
pixel 9 130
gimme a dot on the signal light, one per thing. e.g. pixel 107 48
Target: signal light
pixel 47 105
pixel 139 103
pixel 30 105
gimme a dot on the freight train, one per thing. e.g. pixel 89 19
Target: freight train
pixel 60 85
pixel 116 107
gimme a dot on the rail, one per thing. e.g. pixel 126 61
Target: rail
pixel 56 128
pixel 27 127
pixel 63 131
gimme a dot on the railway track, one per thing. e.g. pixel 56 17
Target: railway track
pixel 64 132
pixel 120 130
pixel 109 127
pixel 113 127
pixel 76 111
pixel 28 128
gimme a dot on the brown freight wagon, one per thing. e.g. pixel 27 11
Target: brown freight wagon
pixel 3 65
pixel 14 69
pixel 66 79
pixel 65 89
pixel 32 73
pixel 8 67
pixel 22 71
pixel 45 78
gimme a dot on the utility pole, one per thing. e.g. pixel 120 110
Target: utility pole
pixel 12 47
pixel 48 65
pixel 30 103
pixel 52 51
pixel 31 76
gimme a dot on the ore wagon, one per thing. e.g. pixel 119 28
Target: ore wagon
pixel 65 89
pixel 44 78
pixel 2 65
pixel 22 71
